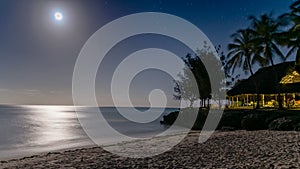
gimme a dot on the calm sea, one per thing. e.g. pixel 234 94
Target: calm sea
pixel 26 130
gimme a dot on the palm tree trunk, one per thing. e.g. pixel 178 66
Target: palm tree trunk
pixel 280 106
pixel 256 86
pixel 297 64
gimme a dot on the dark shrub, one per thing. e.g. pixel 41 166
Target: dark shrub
pixel 242 119
pixel 199 121
pixel 273 116
pixel 285 123
pixel 297 127
pixel 170 118
pixel 231 120
pixel 201 117
pixel 254 122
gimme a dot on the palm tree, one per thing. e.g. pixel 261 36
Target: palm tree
pixel 266 32
pixel 243 54
pixel 292 36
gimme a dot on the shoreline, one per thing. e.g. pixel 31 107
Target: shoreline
pixel 230 149
pixel 87 146
pixel 37 153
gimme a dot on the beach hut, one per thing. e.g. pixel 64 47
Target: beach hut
pixel 267 81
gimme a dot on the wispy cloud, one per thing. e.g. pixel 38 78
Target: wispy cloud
pixel 56 92
pixel 31 92
pixel 4 90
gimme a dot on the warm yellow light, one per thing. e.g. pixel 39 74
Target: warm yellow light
pixel 293 77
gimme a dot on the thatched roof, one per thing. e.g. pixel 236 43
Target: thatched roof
pixel 266 81
pixel 293 77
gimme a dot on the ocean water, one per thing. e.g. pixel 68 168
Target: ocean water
pixel 27 130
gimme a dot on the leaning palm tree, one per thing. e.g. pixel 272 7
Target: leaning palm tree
pixel 243 54
pixel 266 32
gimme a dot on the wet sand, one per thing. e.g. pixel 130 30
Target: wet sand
pixel 234 149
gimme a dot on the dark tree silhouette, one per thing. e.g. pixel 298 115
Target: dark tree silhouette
pixel 266 35
pixel 186 89
pixel 242 53
pixel 291 38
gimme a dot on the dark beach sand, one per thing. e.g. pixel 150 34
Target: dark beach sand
pixel 235 149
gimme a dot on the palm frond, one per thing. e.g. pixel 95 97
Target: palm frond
pixel 233 46
pixel 277 51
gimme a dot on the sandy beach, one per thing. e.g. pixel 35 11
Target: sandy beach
pixel 234 149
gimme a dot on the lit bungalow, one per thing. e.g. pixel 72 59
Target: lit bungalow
pixel 266 83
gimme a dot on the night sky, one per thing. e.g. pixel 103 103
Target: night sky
pixel 38 53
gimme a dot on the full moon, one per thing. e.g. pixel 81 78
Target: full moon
pixel 58 16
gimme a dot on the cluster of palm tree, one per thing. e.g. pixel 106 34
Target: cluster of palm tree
pixel 261 42
pixel 293 35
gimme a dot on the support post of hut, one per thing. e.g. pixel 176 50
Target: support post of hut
pixel 286 100
pixel 263 100
pixel 294 98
